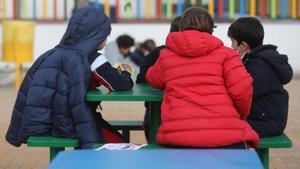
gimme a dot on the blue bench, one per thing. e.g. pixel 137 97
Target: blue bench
pixel 281 141
pixel 59 144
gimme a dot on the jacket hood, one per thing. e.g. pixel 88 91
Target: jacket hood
pixel 279 62
pixel 192 43
pixel 87 29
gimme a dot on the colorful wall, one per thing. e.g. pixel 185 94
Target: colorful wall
pixel 149 10
pixel 48 35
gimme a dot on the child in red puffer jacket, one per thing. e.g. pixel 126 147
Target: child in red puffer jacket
pixel 207 90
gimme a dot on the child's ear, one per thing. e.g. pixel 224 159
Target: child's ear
pixel 245 45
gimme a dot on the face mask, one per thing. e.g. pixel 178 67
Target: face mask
pixel 241 54
pixel 146 53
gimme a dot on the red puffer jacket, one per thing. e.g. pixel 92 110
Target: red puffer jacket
pixel 207 92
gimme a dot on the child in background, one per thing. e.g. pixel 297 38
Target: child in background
pixel 52 98
pixel 269 69
pixel 142 50
pixel 117 51
pixel 207 91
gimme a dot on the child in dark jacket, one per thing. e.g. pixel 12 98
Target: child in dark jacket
pixel 114 79
pixel 148 61
pixel 52 98
pixel 269 69
pixel 141 50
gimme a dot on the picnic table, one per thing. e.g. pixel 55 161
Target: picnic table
pixel 144 92
pixel 140 92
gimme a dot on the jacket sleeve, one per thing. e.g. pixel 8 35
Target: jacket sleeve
pixel 82 117
pixel 238 83
pixel 85 125
pixel 154 76
pixel 114 80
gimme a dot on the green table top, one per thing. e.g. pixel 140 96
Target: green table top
pixel 140 92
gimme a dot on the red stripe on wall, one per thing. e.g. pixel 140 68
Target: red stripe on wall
pixel 221 9
pixel 55 9
pixel 263 8
pixel 158 8
pixel 14 9
pixel 117 10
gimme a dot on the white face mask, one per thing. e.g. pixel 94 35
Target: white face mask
pixel 146 53
pixel 242 54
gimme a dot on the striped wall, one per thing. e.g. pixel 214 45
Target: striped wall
pixel 150 10
pixel 36 9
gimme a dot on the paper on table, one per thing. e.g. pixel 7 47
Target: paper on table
pixel 121 146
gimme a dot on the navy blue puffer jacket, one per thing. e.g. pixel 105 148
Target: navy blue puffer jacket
pixel 270 70
pixel 51 100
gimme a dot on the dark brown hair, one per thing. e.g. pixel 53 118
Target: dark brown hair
pixel 175 24
pixel 196 18
pixel 247 29
pixel 148 44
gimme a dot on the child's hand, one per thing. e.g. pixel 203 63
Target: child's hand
pixel 124 67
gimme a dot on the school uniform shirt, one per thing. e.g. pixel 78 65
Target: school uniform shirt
pixel 207 92
pixel 270 71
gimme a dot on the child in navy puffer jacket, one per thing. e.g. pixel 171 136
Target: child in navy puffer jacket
pixel 270 70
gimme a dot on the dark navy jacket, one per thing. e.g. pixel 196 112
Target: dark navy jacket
pixel 51 99
pixel 270 71
pixel 147 62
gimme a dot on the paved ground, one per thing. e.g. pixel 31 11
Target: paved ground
pixel 37 158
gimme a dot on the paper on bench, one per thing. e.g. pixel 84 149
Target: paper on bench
pixel 121 146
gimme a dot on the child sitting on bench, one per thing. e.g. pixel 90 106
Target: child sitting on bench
pixel 269 69
pixel 207 90
pixel 52 98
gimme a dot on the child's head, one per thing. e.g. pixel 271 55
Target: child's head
pixel 175 24
pixel 196 18
pixel 125 42
pixel 87 29
pixel 148 45
pixel 246 33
